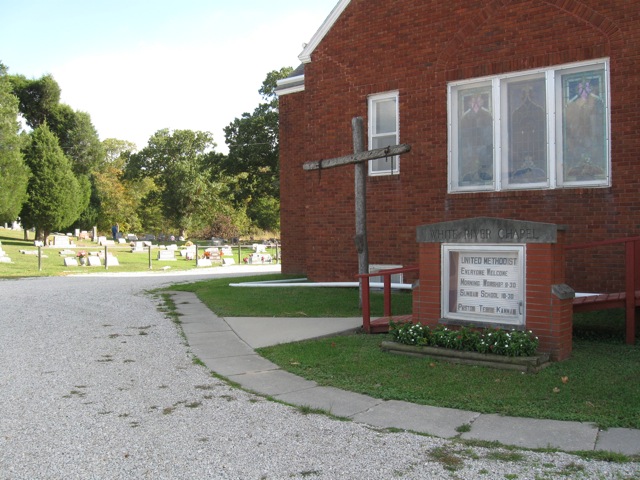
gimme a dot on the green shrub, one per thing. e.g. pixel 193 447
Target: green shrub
pixel 513 343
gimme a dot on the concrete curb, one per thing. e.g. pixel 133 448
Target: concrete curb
pixel 221 347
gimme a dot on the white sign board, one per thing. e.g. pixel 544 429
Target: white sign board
pixel 483 284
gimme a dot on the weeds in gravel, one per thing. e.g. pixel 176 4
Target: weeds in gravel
pixel 446 457
pixel 463 428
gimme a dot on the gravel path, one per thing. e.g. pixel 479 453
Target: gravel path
pixel 96 383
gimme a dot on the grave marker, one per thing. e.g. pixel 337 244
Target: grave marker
pixel 166 255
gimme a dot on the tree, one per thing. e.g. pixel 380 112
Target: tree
pixel 117 151
pixel 77 137
pixel 54 194
pixel 253 156
pixel 14 174
pixel 178 163
pixel 38 98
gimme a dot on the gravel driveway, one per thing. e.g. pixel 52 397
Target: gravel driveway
pixel 96 383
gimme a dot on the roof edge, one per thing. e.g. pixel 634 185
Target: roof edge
pixel 289 85
pixel 305 56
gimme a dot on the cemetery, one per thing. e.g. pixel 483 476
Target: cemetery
pixel 64 253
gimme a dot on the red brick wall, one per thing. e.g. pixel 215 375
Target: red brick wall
pixel 416 47
pixel 292 199
pixel 549 317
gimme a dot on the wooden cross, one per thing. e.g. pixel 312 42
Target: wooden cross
pixel 360 158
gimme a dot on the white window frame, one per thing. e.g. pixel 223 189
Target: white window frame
pixel 478 317
pixel 495 90
pixel 391 165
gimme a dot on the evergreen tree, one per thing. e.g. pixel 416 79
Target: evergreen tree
pixel 55 196
pixel 14 174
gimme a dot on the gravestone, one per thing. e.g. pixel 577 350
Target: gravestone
pixel 204 262
pixel 138 247
pixel 70 262
pixel 61 241
pixel 493 272
pixel 4 258
pixel 112 261
pixel 166 255
pixel 228 261
pixel 189 253
pixel 212 254
pixel 94 261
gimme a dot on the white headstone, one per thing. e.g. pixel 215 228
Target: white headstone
pixel 61 241
pixel 94 261
pixel 112 261
pixel 204 262
pixel 70 262
pixel 166 255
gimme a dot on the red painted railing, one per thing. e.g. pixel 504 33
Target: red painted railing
pixel 386 280
pixel 632 279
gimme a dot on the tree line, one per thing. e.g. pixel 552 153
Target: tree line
pixel 56 174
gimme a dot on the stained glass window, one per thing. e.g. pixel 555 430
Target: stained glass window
pixel 475 137
pixel 583 127
pixel 527 132
pixel 545 128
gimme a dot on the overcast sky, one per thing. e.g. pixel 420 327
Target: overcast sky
pixel 137 66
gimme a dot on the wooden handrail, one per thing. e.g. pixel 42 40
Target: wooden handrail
pixel 386 279
pixel 632 277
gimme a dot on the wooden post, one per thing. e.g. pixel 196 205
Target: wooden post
pixel 360 202
pixel 360 158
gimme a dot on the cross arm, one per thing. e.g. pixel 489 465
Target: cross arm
pixel 358 157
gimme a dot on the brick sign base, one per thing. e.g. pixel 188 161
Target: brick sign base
pixel 547 301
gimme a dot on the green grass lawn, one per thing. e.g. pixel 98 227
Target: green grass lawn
pixel 601 379
pixel 287 301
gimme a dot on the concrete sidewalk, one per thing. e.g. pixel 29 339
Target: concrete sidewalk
pixel 226 346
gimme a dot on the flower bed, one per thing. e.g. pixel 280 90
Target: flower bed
pixel 491 347
pixel 512 343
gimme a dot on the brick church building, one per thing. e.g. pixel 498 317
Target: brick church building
pixel 517 109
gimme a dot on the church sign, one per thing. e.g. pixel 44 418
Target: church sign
pixel 483 268
pixel 483 284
